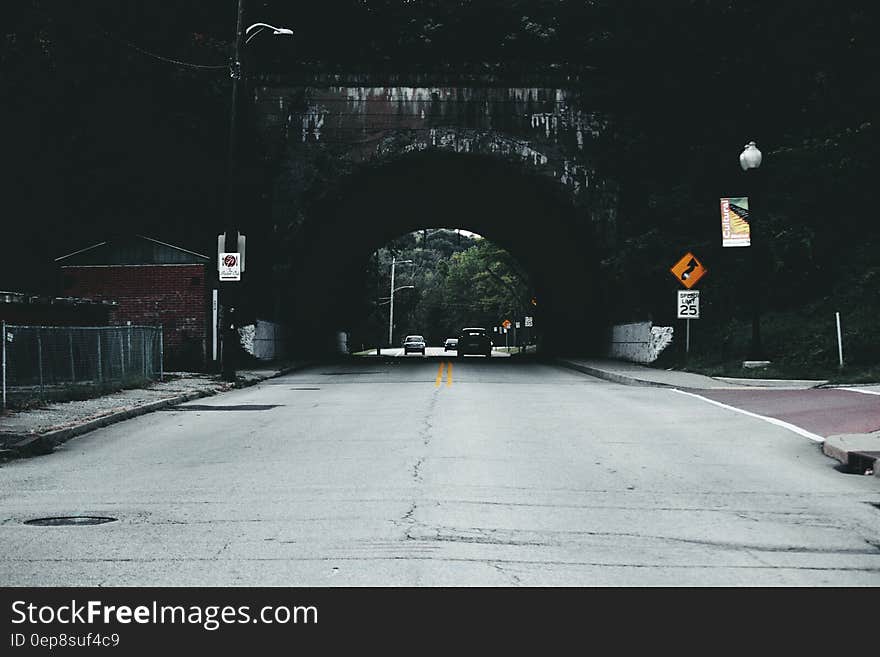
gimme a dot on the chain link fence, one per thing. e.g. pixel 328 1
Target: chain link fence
pixel 70 362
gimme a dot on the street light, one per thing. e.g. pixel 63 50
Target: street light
pixel 230 224
pixel 750 161
pixel 394 262
pixel 256 28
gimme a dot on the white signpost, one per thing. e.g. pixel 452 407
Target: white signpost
pixel 688 304
pixel 688 308
pixel 214 322
pixel 229 266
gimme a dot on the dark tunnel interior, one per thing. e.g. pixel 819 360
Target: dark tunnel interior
pixel 529 216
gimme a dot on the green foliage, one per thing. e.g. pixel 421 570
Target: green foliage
pixel 459 281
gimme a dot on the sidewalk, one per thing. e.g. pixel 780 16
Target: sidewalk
pixel 858 452
pixel 39 430
pixel 634 374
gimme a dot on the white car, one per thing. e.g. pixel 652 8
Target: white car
pixel 414 343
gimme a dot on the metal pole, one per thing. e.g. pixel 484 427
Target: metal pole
pixel 391 313
pixel 161 354
pixel 122 354
pixel 231 231
pixel 379 338
pixel 100 364
pixel 40 357
pixel 839 341
pixel 214 320
pixel 3 328
pixel 72 365
pixel 757 283
pixel 687 339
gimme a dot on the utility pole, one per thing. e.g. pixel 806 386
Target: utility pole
pixel 229 289
pixel 391 313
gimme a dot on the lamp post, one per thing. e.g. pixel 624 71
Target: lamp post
pixel 750 161
pixel 394 263
pixel 231 234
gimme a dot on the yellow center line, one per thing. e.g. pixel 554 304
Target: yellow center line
pixel 449 375
pixel 439 375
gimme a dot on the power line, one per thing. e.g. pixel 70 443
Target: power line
pixel 169 60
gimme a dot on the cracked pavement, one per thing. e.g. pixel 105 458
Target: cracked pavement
pixel 517 473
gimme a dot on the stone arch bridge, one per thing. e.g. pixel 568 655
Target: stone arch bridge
pixel 336 166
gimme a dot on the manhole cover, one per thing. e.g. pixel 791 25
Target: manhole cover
pixel 237 407
pixel 69 520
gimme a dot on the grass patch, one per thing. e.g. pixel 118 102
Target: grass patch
pixel 799 344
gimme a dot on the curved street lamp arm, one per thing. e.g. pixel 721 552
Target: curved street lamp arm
pixel 258 27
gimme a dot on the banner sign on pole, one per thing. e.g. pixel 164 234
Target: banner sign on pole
pixel 735 221
pixel 529 321
pixel 688 304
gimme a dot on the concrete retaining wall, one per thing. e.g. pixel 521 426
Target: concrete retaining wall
pixel 639 342
pixel 264 340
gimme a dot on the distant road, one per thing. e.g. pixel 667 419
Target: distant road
pixel 437 351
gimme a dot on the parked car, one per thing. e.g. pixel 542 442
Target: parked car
pixel 414 343
pixel 451 343
pixel 474 340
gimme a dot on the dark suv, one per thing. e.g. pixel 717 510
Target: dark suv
pixel 474 340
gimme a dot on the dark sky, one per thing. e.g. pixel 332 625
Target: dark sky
pixel 103 132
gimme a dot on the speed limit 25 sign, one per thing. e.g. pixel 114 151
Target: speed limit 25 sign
pixel 688 304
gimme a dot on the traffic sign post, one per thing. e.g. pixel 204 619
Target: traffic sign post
pixel 688 304
pixel 688 270
pixel 229 266
pixel 688 308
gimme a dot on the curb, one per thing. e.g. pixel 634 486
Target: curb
pixel 610 376
pixel 859 453
pixel 45 443
pixel 285 370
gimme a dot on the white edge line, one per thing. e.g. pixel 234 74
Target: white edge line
pixel 864 392
pixel 771 420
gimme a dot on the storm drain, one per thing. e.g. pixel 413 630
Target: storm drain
pixel 236 407
pixel 66 521
pixel 305 388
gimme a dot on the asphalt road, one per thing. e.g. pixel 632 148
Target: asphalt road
pixel 433 472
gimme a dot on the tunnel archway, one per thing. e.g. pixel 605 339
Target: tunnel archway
pixel 526 214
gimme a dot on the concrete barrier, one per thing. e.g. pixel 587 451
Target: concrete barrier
pixel 639 342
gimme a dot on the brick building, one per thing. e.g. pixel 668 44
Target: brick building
pixel 39 310
pixel 153 284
